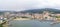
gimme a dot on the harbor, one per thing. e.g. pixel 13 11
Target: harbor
pixel 30 20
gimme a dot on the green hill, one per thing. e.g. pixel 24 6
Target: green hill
pixel 41 10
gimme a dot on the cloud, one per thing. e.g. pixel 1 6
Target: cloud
pixel 19 5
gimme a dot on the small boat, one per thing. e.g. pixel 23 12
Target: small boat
pixel 54 23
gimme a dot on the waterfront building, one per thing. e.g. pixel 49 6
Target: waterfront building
pixel 1 19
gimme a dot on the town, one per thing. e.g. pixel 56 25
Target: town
pixel 46 15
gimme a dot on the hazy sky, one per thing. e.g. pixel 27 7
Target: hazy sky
pixel 19 5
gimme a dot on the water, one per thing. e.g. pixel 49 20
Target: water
pixel 31 23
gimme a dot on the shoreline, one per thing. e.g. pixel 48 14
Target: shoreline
pixel 22 19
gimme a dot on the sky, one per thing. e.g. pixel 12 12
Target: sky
pixel 19 5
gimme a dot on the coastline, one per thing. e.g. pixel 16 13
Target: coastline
pixel 22 19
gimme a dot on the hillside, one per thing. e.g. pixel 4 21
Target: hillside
pixel 41 10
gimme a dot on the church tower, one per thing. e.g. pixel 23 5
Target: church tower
pixel 46 14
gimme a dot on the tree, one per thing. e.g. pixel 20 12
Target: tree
pixel 57 16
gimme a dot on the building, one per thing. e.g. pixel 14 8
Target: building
pixel 1 19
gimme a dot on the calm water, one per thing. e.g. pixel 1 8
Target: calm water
pixel 32 23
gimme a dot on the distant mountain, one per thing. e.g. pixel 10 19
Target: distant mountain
pixel 34 11
pixel 41 10
pixel 2 12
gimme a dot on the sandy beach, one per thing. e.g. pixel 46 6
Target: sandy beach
pixel 22 19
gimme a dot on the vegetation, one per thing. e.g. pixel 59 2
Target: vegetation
pixel 57 16
pixel 24 17
pixel 41 10
pixel 1 13
pixel 1 25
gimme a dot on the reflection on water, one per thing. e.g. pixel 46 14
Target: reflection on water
pixel 32 23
